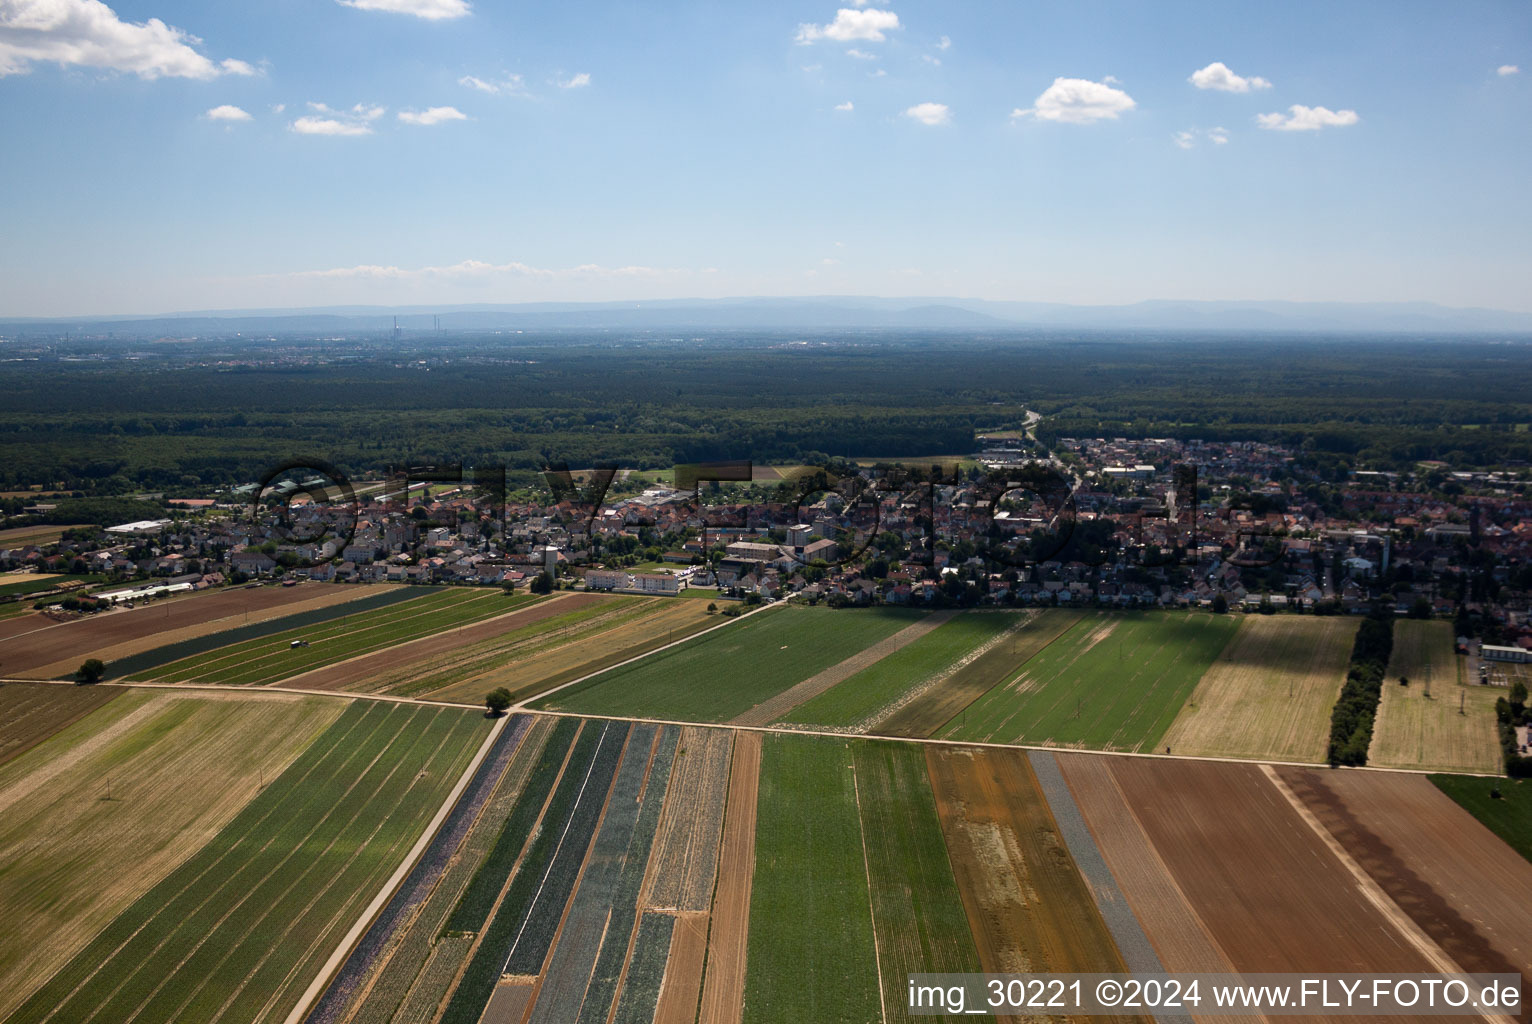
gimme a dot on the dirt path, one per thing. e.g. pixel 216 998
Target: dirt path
pixel 774 708
pixel 723 983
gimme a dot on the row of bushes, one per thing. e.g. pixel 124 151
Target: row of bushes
pixel 1352 720
pixel 1511 713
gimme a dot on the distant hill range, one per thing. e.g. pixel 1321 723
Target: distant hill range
pixel 775 314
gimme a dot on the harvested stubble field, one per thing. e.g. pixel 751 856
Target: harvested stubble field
pixel 37 647
pixel 438 649
pixel 179 767
pixel 1028 907
pixel 235 933
pixel 1271 692
pixel 271 658
pixel 1435 723
pixel 931 708
pixel 642 625
pixel 1451 875
pixel 31 712
pixel 812 953
pixel 724 674
pixel 1114 681
pixel 917 912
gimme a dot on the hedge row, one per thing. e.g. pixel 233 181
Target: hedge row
pixel 1352 720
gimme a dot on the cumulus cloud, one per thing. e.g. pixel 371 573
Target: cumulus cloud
pixel 1307 119
pixel 1218 76
pixel 943 43
pixel 325 121
pixel 1078 101
pixel 1506 70
pixel 432 115
pixel 1218 136
pixel 431 10
pixel 846 106
pixel 861 54
pixel 929 113
pixel 227 112
pixel 579 81
pixel 850 24
pixel 1189 138
pixel 509 85
pixel 88 33
pixel 1186 140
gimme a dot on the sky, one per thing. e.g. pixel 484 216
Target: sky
pixel 166 155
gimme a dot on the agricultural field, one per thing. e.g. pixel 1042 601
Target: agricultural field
pixel 926 710
pixel 235 932
pixel 269 659
pixel 1436 723
pixel 37 647
pixel 152 772
pixel 31 712
pixel 34 583
pixel 1112 681
pixel 626 628
pixel 1508 813
pixel 1271 692
pixel 25 536
pixel 729 671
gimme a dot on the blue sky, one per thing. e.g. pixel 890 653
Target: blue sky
pixel 460 151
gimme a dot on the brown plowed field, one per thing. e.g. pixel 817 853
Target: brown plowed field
pixel 723 984
pixel 773 708
pixel 435 648
pixel 31 712
pixel 1451 875
pixel 685 856
pixel 683 971
pixel 1027 904
pixel 1271 893
pixel 116 634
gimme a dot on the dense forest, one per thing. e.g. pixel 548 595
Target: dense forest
pixel 110 417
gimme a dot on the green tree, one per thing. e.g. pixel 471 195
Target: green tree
pixel 497 700
pixel 543 584
pixel 91 671
pixel 1220 604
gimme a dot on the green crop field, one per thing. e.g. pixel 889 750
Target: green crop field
pixel 811 954
pixel 730 670
pixel 235 933
pixel 270 658
pixel 1113 681
pixel 917 911
pixel 1509 815
pixel 858 699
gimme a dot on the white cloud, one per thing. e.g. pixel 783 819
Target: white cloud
pixel 1218 136
pixel 1218 76
pixel 509 85
pixel 1307 119
pixel 929 113
pixel 929 59
pixel 88 33
pixel 943 43
pixel 1078 101
pixel 1189 138
pixel 880 73
pixel 325 121
pixel 851 24
pixel 846 106
pixel 861 55
pixel 829 262
pixel 579 81
pixel 278 108
pixel 1505 70
pixel 431 10
pixel 432 115
pixel 1186 140
pixel 227 112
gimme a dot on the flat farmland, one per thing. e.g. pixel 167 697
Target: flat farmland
pixel 928 709
pixel 155 773
pixel 1113 681
pixel 36 647
pixel 728 940
pixel 1028 907
pixel 917 912
pixel 25 536
pixel 1450 874
pixel 926 661
pixel 642 625
pixel 236 932
pixel 1507 814
pixel 433 650
pixel 271 658
pixel 812 955
pixel 31 712
pixel 1435 723
pixel 724 674
pixel 1271 692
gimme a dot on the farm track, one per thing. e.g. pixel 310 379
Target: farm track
pixel 121 632
pixel 412 653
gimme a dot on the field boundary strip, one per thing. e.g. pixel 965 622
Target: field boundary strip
pixel 386 893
